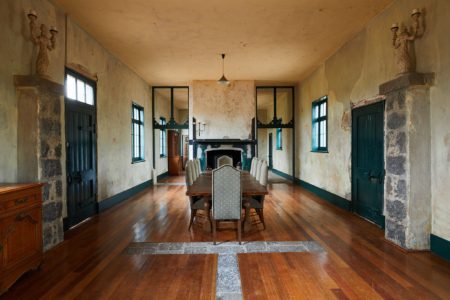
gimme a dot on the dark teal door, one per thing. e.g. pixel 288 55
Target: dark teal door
pixel 368 162
pixel 81 161
pixel 269 156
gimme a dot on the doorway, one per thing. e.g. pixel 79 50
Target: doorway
pixel 81 148
pixel 368 162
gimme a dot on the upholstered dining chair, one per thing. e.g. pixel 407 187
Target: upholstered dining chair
pixel 198 168
pixel 196 203
pixel 224 160
pixel 253 166
pixel 257 202
pixel 191 170
pixel 258 168
pixel 226 197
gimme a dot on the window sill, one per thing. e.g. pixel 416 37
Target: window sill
pixel 137 161
pixel 319 151
pixel 162 156
pixel 279 149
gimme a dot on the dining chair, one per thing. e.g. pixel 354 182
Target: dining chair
pixel 258 169
pixel 226 197
pixel 196 202
pixel 197 164
pixel 253 166
pixel 224 160
pixel 191 170
pixel 257 202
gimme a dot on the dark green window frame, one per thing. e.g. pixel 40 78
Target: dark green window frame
pixel 279 138
pixel 320 125
pixel 162 138
pixel 137 133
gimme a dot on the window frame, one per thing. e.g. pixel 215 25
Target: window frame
pixel 141 127
pixel 162 138
pixel 86 81
pixel 279 137
pixel 316 104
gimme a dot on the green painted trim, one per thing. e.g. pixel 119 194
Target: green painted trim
pixel 282 174
pixel 162 176
pixel 440 246
pixel 122 196
pixel 325 195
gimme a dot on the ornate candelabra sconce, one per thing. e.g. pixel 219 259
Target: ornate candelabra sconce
pixel 200 126
pixel 43 42
pixel 403 42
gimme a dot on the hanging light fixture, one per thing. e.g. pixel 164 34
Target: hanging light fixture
pixel 223 80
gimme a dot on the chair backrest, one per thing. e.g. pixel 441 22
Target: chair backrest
pixel 264 174
pixel 226 193
pixel 258 169
pixel 224 160
pixel 253 166
pixel 194 169
pixel 188 173
pixel 199 169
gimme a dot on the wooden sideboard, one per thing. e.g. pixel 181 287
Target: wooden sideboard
pixel 20 231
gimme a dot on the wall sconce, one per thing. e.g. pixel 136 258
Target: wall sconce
pixel 200 126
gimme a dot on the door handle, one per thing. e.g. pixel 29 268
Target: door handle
pixel 77 177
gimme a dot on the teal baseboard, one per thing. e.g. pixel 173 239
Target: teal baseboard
pixel 282 174
pixel 122 196
pixel 327 196
pixel 440 246
pixel 162 176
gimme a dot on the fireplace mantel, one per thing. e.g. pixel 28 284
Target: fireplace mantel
pixel 221 141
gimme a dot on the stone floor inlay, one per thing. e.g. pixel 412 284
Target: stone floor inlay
pixel 228 282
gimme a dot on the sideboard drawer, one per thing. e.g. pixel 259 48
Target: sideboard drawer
pixel 20 202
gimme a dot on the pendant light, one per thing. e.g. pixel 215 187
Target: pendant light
pixel 223 80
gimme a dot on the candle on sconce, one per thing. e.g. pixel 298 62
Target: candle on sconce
pixel 53 29
pixel 394 26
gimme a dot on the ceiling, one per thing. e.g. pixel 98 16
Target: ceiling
pixel 171 42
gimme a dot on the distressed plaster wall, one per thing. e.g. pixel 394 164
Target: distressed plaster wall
pixel 162 109
pixel 16 52
pixel 226 110
pixel 352 74
pixel 117 88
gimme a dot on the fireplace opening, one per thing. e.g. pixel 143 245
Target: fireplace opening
pixel 213 154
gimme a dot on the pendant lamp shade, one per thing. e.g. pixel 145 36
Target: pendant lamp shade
pixel 223 80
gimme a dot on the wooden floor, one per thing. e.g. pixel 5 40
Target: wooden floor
pixel 357 264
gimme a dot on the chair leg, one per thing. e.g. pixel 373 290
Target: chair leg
pixel 193 214
pixel 214 231
pixel 239 231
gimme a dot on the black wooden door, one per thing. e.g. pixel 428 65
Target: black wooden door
pixel 269 156
pixel 81 161
pixel 368 162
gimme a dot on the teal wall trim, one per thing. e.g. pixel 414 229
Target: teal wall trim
pixel 163 175
pixel 122 196
pixel 327 196
pixel 282 174
pixel 440 246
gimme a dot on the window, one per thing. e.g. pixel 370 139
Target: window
pixel 279 136
pixel 137 133
pixel 79 88
pixel 319 125
pixel 162 139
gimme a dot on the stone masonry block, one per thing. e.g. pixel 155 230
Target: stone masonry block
pixel 396 165
pixel 396 120
pixel 51 168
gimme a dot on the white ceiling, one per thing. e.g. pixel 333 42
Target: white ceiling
pixel 172 42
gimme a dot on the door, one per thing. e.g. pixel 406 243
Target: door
pixel 81 145
pixel 368 162
pixel 270 153
pixel 173 157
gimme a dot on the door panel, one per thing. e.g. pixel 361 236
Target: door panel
pixel 368 162
pixel 81 161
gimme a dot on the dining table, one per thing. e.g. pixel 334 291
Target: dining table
pixel 202 187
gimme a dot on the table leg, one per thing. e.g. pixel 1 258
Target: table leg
pixel 207 226
pixel 247 219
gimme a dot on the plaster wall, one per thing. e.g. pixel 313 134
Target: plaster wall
pixel 227 110
pixel 17 53
pixel 117 88
pixel 354 73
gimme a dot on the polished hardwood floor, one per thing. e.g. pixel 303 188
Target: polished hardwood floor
pixel 357 263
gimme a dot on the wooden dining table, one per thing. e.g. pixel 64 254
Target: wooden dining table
pixel 202 187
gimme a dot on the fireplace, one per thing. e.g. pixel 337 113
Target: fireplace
pixel 208 150
pixel 213 154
